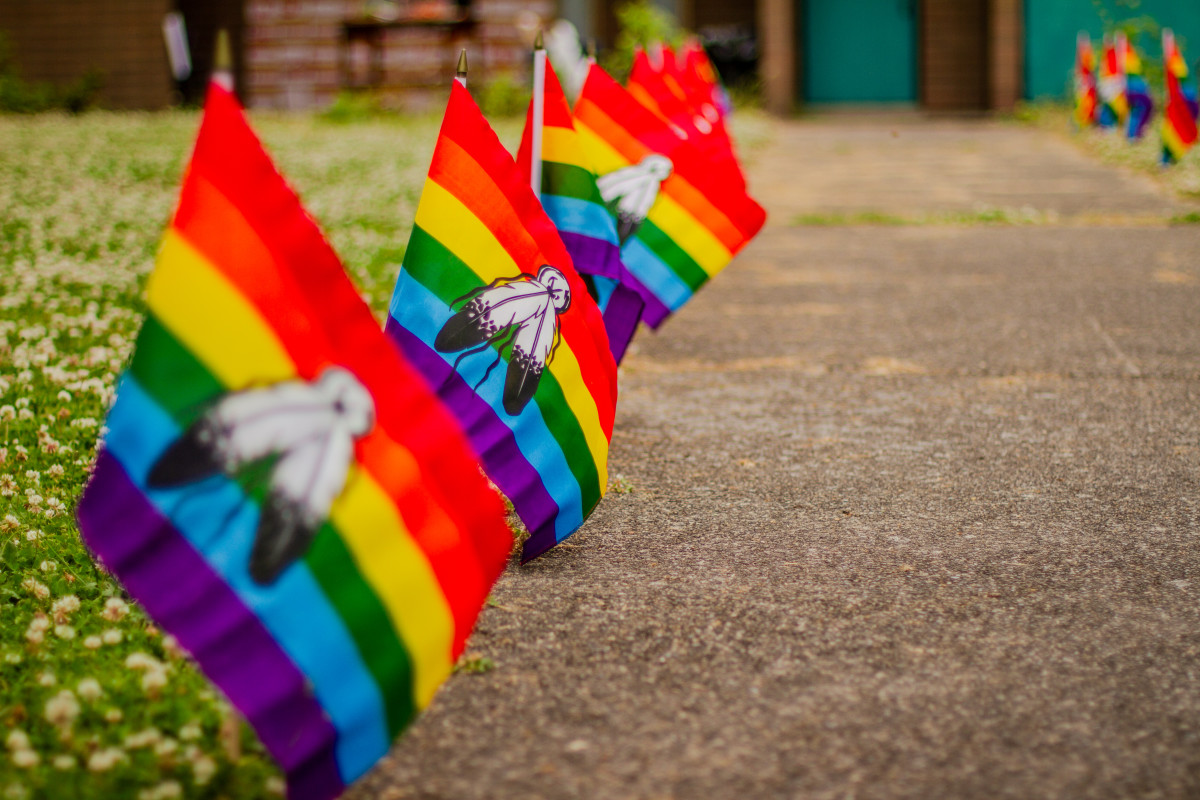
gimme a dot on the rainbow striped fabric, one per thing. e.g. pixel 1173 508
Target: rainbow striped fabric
pixel 1085 81
pixel 1114 105
pixel 260 373
pixel 661 91
pixel 1137 93
pixel 683 217
pixel 486 282
pixel 1179 132
pixel 573 203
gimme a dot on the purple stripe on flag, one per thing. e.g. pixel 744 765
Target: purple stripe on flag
pixel 593 256
pixel 655 311
pixel 491 439
pixel 186 597
pixel 621 318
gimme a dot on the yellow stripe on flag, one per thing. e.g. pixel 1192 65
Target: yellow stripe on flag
pixel 400 575
pixel 604 157
pixel 189 295
pixel 687 232
pixel 562 146
pixel 444 217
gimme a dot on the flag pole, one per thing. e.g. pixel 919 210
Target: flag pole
pixel 222 73
pixel 539 111
pixel 460 73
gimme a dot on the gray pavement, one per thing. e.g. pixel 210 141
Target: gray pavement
pixel 915 511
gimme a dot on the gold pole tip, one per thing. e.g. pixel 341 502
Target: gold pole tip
pixel 224 55
pixel 461 72
pixel 539 43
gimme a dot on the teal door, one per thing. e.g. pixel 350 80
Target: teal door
pixel 863 51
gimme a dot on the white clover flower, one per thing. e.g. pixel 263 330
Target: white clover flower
pixel 54 506
pixel 24 414
pixel 46 679
pixel 115 610
pixel 8 486
pixel 56 471
pixel 111 636
pixel 33 534
pixel 86 423
pixel 62 709
pixel 40 622
pixel 167 790
pixel 190 731
pixel 25 376
pixel 114 715
pixel 89 689
pixel 143 738
pixel 154 680
pixel 33 475
pixel 35 587
pixel 274 785
pixel 64 396
pixel 48 566
pixel 10 523
pixel 140 660
pixel 93 642
pixel 166 747
pixel 105 759
pixel 203 770
pixel 64 632
pixel 7 413
pixel 25 759
pixel 65 606
pixel 12 658
pixel 63 761
pixel 17 740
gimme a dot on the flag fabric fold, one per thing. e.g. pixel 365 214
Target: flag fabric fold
pixel 681 217
pixel 491 310
pixel 278 488
pixel 1178 131
pixel 573 203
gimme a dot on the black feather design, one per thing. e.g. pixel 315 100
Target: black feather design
pixel 191 457
pixel 520 381
pixel 284 534
pixel 467 328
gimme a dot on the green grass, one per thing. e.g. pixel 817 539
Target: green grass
pixel 94 702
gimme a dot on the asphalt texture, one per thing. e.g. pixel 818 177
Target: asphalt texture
pixel 907 511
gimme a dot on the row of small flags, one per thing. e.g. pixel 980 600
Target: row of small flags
pixel 303 499
pixel 1114 93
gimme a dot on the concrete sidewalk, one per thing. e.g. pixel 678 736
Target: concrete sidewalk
pixel 914 511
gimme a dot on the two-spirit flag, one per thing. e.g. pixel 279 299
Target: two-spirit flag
pixel 573 202
pixel 491 310
pixel 1179 116
pixel 1114 106
pixel 278 488
pixel 1137 92
pixel 681 218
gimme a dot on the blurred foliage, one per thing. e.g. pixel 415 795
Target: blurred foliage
pixel 20 97
pixel 640 23
pixel 503 96
pixel 350 107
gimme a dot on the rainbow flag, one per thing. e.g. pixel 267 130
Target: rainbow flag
pixel 278 487
pixel 1137 92
pixel 573 203
pixel 486 282
pixel 680 216
pixel 691 118
pixel 699 68
pixel 1114 105
pixel 1085 81
pixel 1179 117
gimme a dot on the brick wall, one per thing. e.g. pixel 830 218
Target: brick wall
pixel 60 40
pixel 954 54
pixel 1006 50
pixel 292 51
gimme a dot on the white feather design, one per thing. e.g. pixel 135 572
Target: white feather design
pixel 310 427
pixel 631 191
pixel 522 316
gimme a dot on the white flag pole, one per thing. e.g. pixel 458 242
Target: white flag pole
pixel 539 113
pixel 460 74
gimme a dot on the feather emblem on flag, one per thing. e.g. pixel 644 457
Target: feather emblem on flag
pixel 279 488
pixel 1110 88
pixel 681 227
pixel 487 280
